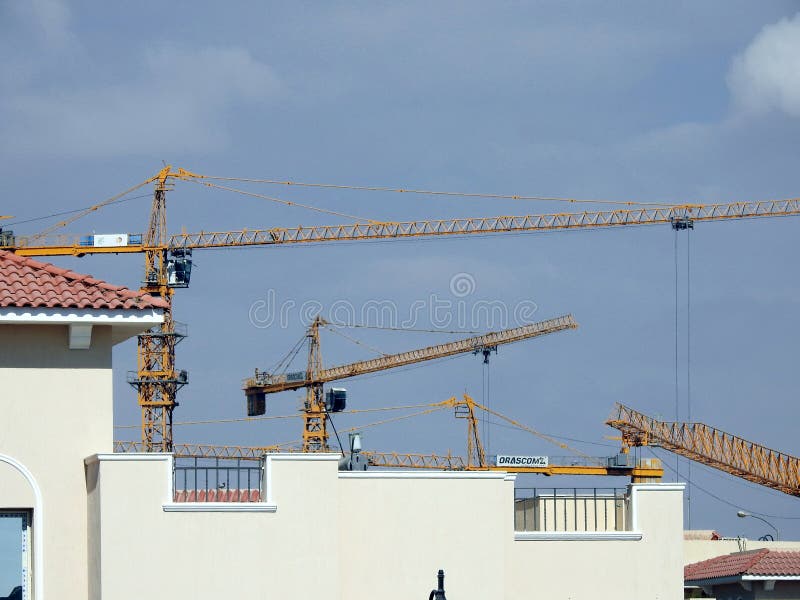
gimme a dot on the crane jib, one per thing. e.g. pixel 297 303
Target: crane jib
pixel 77 245
pixel 712 447
pixel 267 383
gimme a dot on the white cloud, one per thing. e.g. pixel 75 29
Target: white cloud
pixel 175 99
pixel 766 76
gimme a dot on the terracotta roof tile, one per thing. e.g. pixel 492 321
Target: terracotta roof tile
pixel 25 282
pixel 763 562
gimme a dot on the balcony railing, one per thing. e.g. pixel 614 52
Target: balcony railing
pixel 570 509
pixel 217 480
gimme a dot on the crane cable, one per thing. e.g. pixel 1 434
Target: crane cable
pixel 279 200
pixel 355 341
pixel 435 408
pixel 273 417
pixel 718 498
pixel 532 431
pixel 287 359
pixel 369 188
pixel 677 383
pixel 415 329
pixel 687 393
pixel 89 210
pixel 70 212
pixel 688 371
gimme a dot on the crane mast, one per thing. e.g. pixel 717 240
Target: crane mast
pixel 315 434
pixel 712 447
pixel 156 380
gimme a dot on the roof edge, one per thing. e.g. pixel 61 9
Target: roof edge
pixel 12 315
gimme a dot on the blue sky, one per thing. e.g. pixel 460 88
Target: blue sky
pixel 670 102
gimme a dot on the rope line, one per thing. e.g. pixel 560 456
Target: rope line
pixel 361 326
pixel 280 201
pixel 355 341
pixel 89 210
pixel 705 491
pixel 273 417
pixel 370 188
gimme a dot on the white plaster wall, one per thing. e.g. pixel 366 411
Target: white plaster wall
pixel 650 568
pixel 15 491
pixel 147 552
pixel 399 528
pixel 363 535
pixel 57 404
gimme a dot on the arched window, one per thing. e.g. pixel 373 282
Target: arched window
pixel 15 555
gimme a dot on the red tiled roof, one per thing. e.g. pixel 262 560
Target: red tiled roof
pixel 764 562
pixel 25 282
pixel 232 495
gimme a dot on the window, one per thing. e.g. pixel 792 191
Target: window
pixel 15 555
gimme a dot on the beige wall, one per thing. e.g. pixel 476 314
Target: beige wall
pixel 147 552
pixel 15 490
pixel 590 567
pixel 57 404
pixel 360 536
pixel 399 528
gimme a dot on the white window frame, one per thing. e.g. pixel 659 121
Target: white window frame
pixel 27 550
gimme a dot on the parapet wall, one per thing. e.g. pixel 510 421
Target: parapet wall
pixel 319 533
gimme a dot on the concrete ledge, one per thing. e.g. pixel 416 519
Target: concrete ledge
pixel 422 475
pixel 227 507
pixel 304 456
pixel 658 487
pixel 577 536
pixel 127 456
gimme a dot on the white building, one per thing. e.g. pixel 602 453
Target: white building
pixel 83 522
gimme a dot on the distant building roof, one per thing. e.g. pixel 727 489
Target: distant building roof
pixel 754 563
pixel 29 283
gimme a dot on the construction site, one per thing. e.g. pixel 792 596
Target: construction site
pixel 399 301
pixel 337 480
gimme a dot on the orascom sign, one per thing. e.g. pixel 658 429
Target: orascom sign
pixel 505 460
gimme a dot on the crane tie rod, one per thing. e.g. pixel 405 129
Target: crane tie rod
pixel 280 201
pixel 89 210
pixel 369 188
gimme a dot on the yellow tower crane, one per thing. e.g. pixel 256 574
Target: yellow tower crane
pixel 316 408
pixel 465 408
pixel 710 446
pixel 168 260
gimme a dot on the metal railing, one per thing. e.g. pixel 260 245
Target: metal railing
pixel 570 509
pixel 199 479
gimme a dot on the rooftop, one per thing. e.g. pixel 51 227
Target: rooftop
pixel 30 283
pixel 758 563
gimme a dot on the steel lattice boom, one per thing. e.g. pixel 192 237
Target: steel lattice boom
pixel 315 436
pixel 204 450
pixel 446 462
pixel 712 447
pixel 71 245
pixel 269 384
